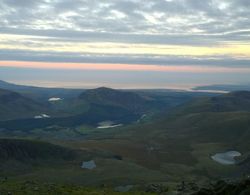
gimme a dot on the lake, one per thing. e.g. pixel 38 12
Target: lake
pixel 107 124
pixel 226 158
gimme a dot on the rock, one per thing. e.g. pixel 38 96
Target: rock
pixel 156 188
pixel 204 192
pixel 123 188
pixel 117 157
pixel 227 187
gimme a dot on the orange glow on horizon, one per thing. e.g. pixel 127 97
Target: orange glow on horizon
pixel 120 67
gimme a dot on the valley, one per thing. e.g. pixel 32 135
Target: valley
pixel 163 137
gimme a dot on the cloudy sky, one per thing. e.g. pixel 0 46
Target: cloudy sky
pixel 125 43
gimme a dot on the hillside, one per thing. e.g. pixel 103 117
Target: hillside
pixel 105 104
pixel 40 93
pixel 234 101
pixel 90 108
pixel 13 106
pixel 175 146
pixel 28 150
pixel 224 119
pixel 181 144
pixel 107 96
pixel 102 104
pixel 133 104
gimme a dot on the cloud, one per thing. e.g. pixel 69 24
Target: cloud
pixel 75 57
pixel 127 16
pixel 41 23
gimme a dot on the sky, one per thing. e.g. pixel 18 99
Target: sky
pixel 125 43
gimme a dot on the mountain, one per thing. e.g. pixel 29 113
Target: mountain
pixel 176 146
pixel 117 98
pixel 102 104
pixel 181 143
pixel 41 93
pixel 234 101
pixel 224 118
pixel 95 106
pixel 90 108
pixel 138 102
pixel 15 106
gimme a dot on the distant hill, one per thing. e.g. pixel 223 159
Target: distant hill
pixel 111 97
pixel 234 101
pixel 40 92
pixel 224 118
pixel 224 87
pixel 14 105
pixel 178 144
pixel 102 104
pixel 185 139
pixel 91 107
pixel 105 104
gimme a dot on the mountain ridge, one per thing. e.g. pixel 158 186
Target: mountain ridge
pixel 233 101
pixel 14 105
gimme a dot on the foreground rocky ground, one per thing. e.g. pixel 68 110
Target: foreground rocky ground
pixel 226 188
pixel 222 187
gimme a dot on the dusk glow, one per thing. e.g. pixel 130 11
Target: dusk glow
pixel 131 36
pixel 123 67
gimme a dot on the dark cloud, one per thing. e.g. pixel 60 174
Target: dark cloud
pixel 92 15
pixel 171 39
pixel 75 57
pixel 176 22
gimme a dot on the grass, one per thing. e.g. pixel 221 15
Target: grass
pixel 209 168
pixel 37 188
pixel 171 149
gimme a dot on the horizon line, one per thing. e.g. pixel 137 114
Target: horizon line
pixel 122 67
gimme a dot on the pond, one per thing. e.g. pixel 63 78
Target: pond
pixel 53 99
pixel 226 158
pixel 41 116
pixel 88 164
pixel 107 124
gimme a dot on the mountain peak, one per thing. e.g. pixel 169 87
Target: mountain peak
pixel 103 89
pixel 109 96
pixel 99 92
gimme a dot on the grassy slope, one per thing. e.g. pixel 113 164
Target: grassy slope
pixel 35 188
pixel 25 150
pixel 14 105
pixel 171 149
pixel 234 101
pixel 180 145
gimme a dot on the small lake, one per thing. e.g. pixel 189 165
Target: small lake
pixel 107 124
pixel 54 99
pixel 41 116
pixel 226 158
pixel 88 164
